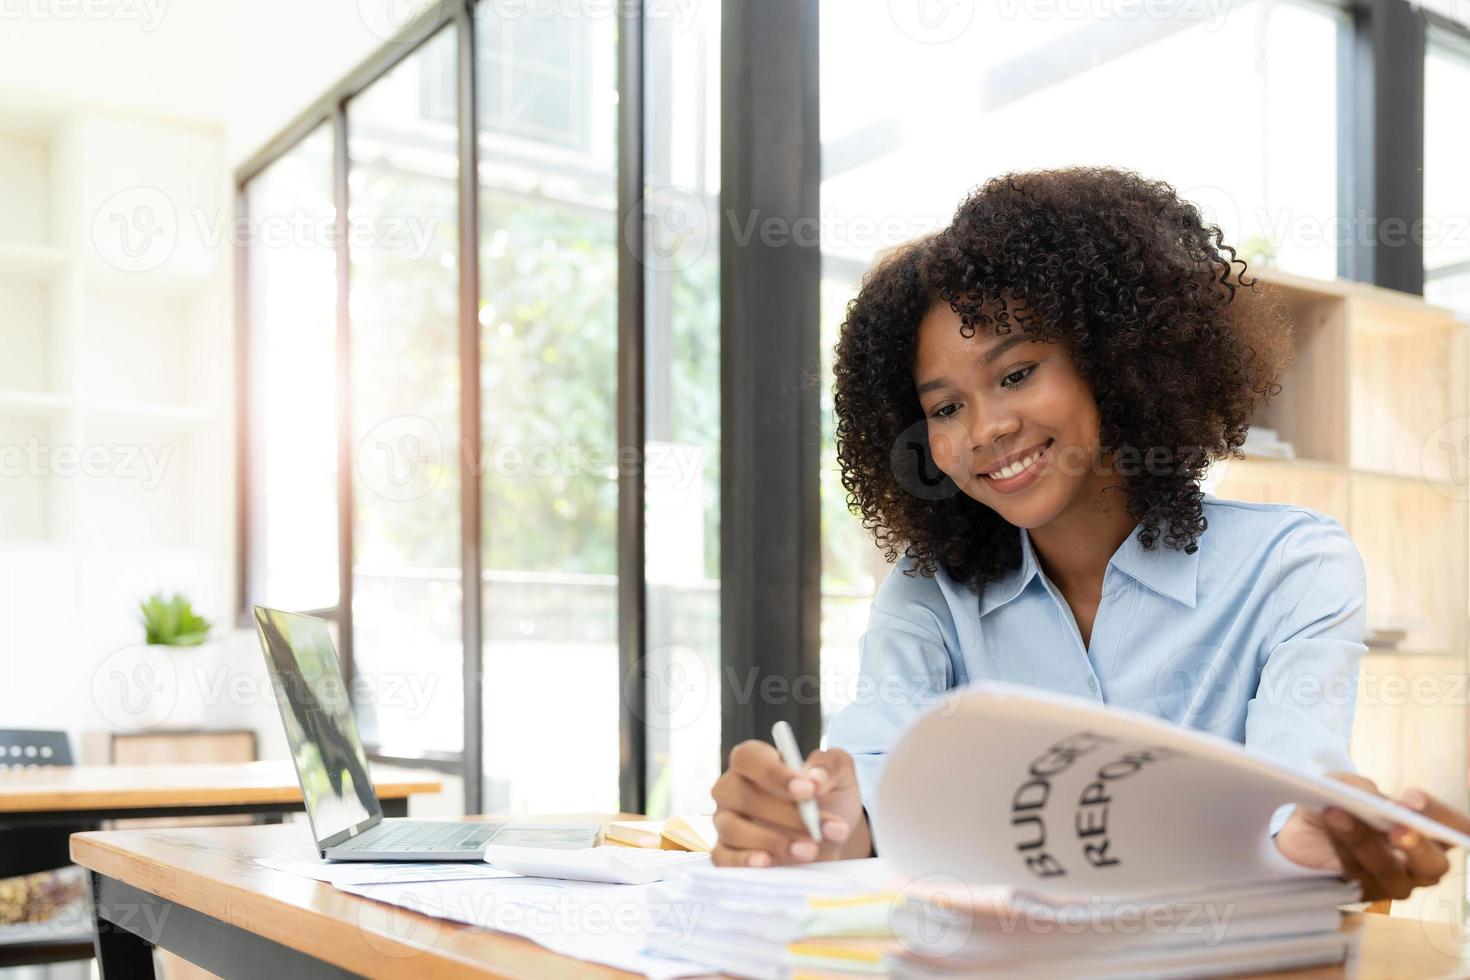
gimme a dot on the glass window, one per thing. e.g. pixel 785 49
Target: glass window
pixel 1446 150
pixel 292 493
pixel 548 457
pixel 539 73
pixel 403 239
pixel 682 417
pixel 1236 106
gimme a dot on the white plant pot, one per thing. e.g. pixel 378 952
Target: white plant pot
pixel 151 686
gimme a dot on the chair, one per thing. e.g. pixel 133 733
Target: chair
pixel 31 850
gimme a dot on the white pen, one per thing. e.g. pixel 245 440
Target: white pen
pixel 785 740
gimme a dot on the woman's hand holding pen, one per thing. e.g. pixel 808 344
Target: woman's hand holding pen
pixel 756 808
pixel 1386 864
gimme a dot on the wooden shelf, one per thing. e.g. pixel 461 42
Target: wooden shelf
pixel 1311 412
pixel 1322 487
pixel 1377 400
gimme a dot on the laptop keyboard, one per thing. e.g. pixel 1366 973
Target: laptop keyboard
pixel 418 836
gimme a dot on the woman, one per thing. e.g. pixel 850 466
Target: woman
pixel 1026 405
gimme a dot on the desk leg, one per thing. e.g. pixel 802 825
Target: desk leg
pixel 395 808
pixel 121 955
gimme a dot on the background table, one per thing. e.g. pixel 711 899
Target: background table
pixel 199 893
pixel 65 794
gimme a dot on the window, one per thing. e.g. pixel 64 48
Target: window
pixel 547 464
pixel 1446 150
pixel 403 242
pixel 1216 103
pixel 682 422
pixel 548 369
pixel 292 369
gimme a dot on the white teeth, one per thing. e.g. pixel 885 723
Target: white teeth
pixel 1005 473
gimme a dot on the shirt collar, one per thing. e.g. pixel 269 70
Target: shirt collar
pixel 1010 585
pixel 1167 571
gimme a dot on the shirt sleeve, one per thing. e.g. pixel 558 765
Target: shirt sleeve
pixel 1302 713
pixel 904 668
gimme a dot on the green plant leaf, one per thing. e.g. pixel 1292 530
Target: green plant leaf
pixel 172 621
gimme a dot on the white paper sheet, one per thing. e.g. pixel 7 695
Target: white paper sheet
pixel 369 872
pixel 1007 785
pixel 590 921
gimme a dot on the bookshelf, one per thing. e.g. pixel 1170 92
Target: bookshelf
pixel 1376 408
pixel 116 426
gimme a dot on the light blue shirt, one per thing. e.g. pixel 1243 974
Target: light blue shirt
pixel 1256 637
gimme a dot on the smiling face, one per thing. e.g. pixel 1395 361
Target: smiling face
pixel 1010 419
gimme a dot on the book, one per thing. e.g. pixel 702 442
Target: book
pixel 1025 833
pixel 673 834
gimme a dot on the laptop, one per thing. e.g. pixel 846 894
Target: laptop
pixel 332 767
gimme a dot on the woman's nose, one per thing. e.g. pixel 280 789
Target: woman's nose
pixel 989 427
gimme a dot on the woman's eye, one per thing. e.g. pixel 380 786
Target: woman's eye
pixel 945 411
pixel 1017 376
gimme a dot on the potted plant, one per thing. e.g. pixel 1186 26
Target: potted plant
pixel 161 682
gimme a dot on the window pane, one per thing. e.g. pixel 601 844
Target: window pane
pixel 1446 191
pixel 1236 107
pixel 548 456
pixel 682 473
pixel 293 380
pixel 403 240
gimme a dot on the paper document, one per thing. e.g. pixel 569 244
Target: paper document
pixel 368 872
pixel 1008 785
pixel 592 921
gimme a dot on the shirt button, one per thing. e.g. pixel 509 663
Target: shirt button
pixel 1092 683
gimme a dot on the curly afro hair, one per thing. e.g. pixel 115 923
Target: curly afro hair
pixel 1179 348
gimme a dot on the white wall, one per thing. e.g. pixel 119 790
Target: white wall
pixel 288 52
pixel 162 57
pixel 244 68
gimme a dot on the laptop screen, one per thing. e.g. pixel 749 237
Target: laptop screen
pixel 317 711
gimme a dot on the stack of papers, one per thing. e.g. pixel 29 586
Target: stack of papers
pixel 767 922
pixel 950 931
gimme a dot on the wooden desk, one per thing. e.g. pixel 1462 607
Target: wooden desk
pixel 199 893
pixel 69 794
